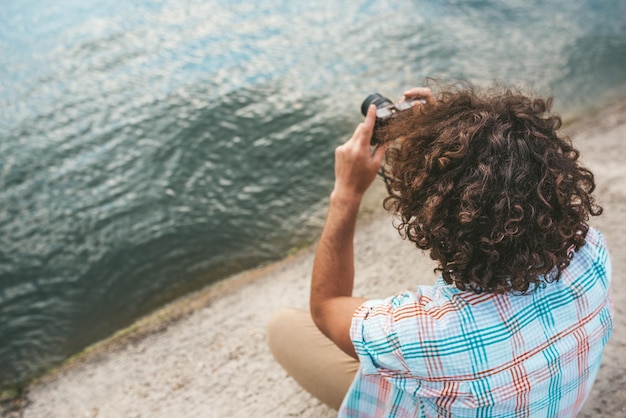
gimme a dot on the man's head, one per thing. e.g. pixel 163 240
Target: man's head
pixel 485 182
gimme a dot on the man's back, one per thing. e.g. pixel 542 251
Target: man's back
pixel 459 353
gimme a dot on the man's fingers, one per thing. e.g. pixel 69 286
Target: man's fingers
pixel 417 91
pixel 379 154
pixel 370 118
pixel 367 127
pixel 420 93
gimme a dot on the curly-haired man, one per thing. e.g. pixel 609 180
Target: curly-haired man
pixel 517 323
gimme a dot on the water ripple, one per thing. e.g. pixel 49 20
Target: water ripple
pixel 148 149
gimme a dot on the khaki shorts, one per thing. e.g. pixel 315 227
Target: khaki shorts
pixel 314 361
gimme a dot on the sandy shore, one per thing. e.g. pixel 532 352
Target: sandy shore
pixel 205 355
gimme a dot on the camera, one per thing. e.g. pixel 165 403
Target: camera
pixel 385 110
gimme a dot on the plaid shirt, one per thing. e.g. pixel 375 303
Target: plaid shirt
pixel 450 353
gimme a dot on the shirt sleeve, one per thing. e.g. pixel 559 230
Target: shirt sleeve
pixel 375 336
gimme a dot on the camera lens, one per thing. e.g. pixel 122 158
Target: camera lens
pixel 377 100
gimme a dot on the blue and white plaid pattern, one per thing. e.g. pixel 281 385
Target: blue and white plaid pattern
pixel 444 352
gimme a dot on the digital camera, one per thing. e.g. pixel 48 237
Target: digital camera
pixel 385 110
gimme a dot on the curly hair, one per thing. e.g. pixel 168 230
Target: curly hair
pixel 483 181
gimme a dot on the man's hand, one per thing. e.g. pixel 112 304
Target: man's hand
pixel 355 164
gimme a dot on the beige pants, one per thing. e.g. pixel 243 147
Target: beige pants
pixel 314 361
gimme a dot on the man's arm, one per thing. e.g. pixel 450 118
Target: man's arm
pixel 332 304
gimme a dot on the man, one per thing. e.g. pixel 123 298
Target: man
pixel 517 322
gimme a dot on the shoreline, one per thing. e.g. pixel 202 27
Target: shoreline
pixel 128 373
pixel 14 398
pixel 181 307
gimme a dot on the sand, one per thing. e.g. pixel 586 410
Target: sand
pixel 205 355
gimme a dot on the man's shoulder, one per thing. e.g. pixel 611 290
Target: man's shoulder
pixel 595 238
pixel 440 303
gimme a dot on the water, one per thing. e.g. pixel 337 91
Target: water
pixel 148 149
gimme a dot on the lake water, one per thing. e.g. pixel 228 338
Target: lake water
pixel 150 148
